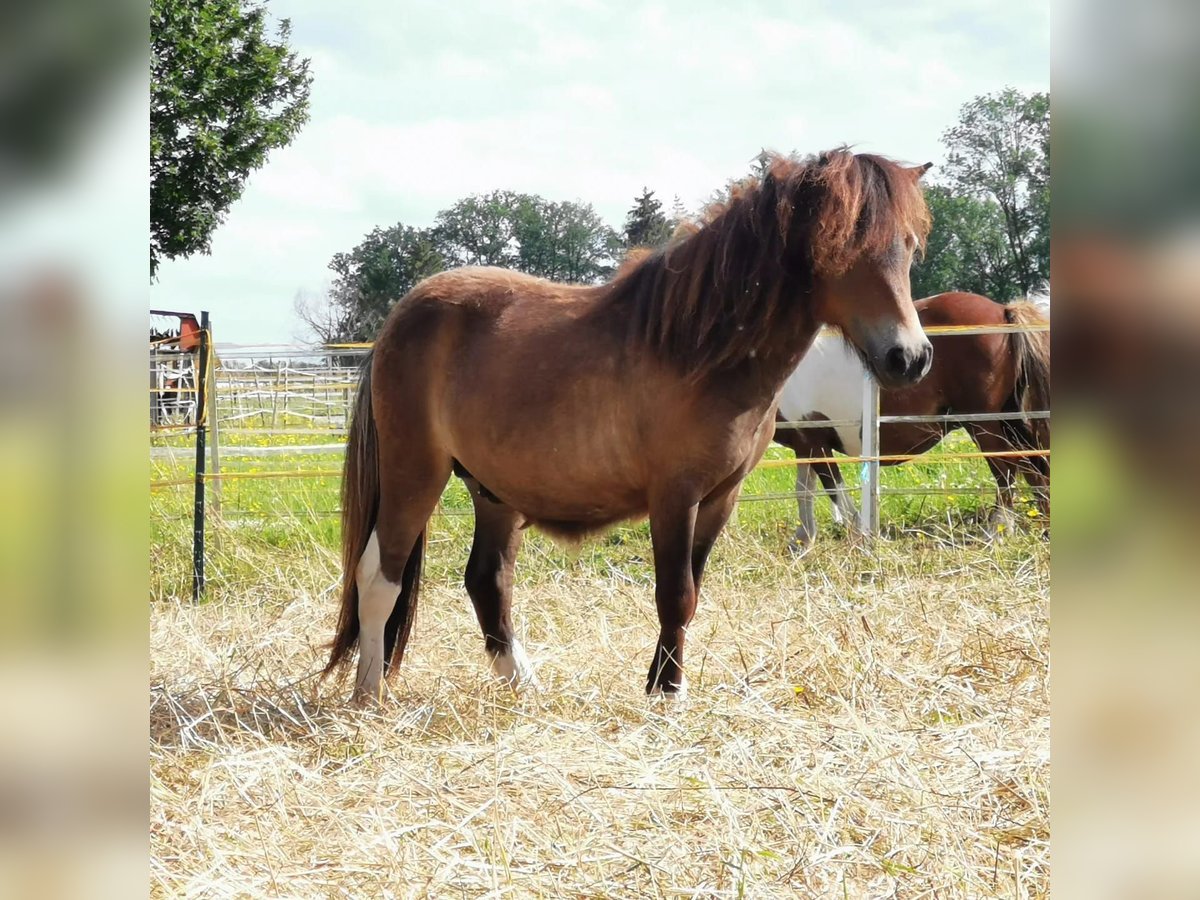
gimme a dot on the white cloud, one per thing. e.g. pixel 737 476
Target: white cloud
pixel 411 112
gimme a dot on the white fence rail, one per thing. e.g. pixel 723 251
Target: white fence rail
pixel 295 392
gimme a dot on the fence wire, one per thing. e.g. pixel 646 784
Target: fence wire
pixel 278 415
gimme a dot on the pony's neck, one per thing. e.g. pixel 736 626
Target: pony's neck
pixel 720 301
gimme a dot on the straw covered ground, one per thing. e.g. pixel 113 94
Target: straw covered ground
pixel 859 725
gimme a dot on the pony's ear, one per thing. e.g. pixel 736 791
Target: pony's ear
pixel 921 170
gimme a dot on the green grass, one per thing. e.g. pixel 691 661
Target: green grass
pixel 260 516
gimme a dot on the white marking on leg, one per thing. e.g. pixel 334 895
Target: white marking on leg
pixel 513 667
pixel 844 504
pixel 806 530
pixel 376 600
pixel 676 696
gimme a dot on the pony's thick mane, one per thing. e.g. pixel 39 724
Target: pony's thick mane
pixel 725 284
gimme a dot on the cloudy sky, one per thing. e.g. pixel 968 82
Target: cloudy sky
pixel 416 104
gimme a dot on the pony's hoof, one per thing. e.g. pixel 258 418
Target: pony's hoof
pixel 1000 525
pixel 798 548
pixel 670 697
pixel 365 699
pixel 513 667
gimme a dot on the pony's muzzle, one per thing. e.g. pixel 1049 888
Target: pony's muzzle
pixel 905 364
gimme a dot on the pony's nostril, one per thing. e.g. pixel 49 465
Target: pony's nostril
pixel 920 366
pixel 894 362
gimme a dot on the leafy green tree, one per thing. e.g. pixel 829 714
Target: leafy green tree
pixel 563 241
pixel 482 230
pixel 645 223
pixel 223 94
pixel 999 151
pixel 582 247
pixel 966 250
pixel 368 281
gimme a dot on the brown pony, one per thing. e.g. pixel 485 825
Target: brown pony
pixel 575 407
pixel 972 374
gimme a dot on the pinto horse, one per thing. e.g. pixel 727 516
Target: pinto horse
pixel 992 373
pixel 572 408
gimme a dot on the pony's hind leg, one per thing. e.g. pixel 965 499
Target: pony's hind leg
pixel 845 513
pixel 388 570
pixel 1036 470
pixel 1002 518
pixel 489 581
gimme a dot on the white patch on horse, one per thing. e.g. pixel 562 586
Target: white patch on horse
pixel 828 381
pixel 513 667
pixel 376 600
pixel 676 696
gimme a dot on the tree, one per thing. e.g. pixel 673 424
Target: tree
pixel 679 213
pixel 481 230
pixel 645 224
pixel 999 150
pixel 583 248
pixel 564 241
pixel 223 94
pixel 322 318
pixel 966 250
pixel 368 281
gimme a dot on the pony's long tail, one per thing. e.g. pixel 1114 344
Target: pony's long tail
pixel 1031 350
pixel 360 509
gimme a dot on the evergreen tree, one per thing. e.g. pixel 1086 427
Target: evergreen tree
pixel 645 224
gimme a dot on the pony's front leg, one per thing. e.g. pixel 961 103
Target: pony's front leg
pixel 806 527
pixel 672 528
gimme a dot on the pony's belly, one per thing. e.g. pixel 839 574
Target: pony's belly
pixel 585 510
pixel 548 493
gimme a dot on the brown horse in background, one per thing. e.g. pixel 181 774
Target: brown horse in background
pixel 997 373
pixel 576 407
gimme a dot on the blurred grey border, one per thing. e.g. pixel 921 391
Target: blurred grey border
pixel 1126 595
pixel 73 295
pixel 74 168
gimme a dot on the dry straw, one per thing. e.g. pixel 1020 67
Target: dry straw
pixel 858 726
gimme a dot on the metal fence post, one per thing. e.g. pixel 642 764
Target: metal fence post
pixel 869 514
pixel 214 447
pixel 198 503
